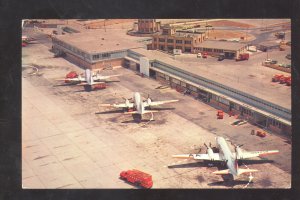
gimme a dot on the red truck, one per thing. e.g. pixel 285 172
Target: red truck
pixel 243 56
pixel 71 74
pixel 96 86
pixel 284 79
pixel 137 177
pixel 289 81
pixel 277 77
pixel 204 55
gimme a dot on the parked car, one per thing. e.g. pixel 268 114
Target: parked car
pixel 199 55
pixel 274 62
pixel 221 57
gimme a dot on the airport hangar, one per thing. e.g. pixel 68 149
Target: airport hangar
pixel 95 52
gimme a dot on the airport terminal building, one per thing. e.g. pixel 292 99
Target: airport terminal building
pixel 269 113
pixel 231 50
pixel 94 51
pixel 184 78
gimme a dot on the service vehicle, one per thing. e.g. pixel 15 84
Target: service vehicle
pixel 137 177
pixel 221 57
pixel 276 77
pixel 283 79
pixel 204 55
pixel 243 56
pixel 289 81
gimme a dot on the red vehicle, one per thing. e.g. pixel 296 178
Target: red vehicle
pixel 204 55
pixel 98 86
pixel 243 56
pixel 276 77
pixel 220 114
pixel 71 74
pixel 283 79
pixel 137 177
pixel 289 81
pixel 24 44
pixel 261 134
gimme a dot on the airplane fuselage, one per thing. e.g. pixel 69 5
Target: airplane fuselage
pixel 138 103
pixel 227 156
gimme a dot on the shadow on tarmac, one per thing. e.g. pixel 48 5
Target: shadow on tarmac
pixel 109 112
pixel 194 164
pixel 229 183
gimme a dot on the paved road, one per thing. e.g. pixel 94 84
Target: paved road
pixel 39 36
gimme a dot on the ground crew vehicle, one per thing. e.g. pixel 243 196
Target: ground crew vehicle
pixel 204 55
pixel 71 74
pixel 96 86
pixel 261 134
pixel 199 55
pixel 221 57
pixel 220 114
pixel 283 79
pixel 137 177
pixel 276 77
pixel 243 56
pixel 289 81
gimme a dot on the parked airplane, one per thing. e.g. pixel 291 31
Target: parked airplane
pixel 138 106
pixel 88 79
pixel 230 158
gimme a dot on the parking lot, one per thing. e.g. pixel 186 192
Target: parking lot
pixel 68 141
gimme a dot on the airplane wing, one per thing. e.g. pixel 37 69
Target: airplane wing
pixel 156 103
pixel 216 156
pixel 72 79
pixel 97 78
pixel 93 83
pixel 144 112
pixel 251 154
pixel 121 105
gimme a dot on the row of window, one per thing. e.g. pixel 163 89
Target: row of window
pixel 101 56
pixel 176 41
pixel 170 48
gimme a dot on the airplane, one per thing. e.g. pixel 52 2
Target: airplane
pixel 226 156
pixel 138 106
pixel 88 79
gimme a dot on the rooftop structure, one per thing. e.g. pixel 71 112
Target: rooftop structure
pixel 225 45
pixel 98 41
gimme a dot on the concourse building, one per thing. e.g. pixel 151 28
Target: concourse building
pixel 265 107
